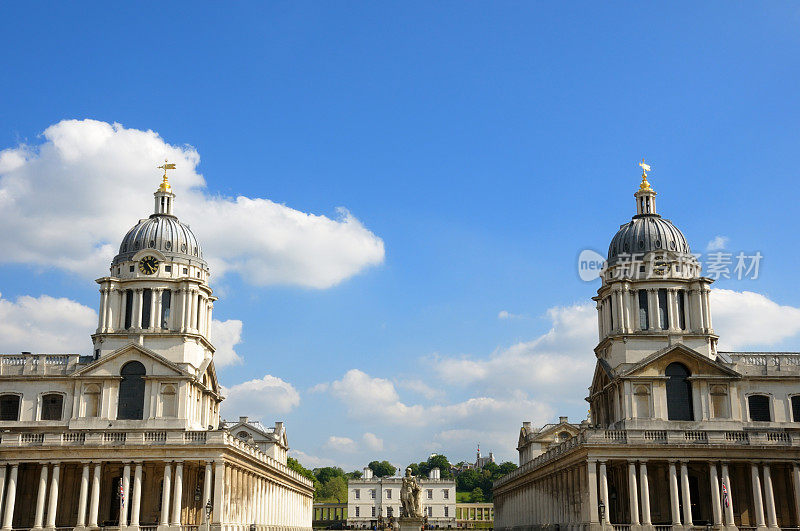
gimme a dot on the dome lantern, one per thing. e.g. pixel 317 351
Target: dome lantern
pixel 645 196
pixel 164 196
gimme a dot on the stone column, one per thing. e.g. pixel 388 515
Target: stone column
pixel 2 487
pixel 184 309
pixel 633 493
pixel 707 293
pixel 726 483
pixel 53 501
pixel 207 485
pixel 604 492
pixel 83 496
pixel 152 324
pixel 136 322
pixel 113 294
pixel 644 487
pixel 772 519
pixel 126 499
pixel 673 495
pixel 167 485
pixel 101 314
pixel 757 500
pixel 192 309
pixel 219 492
pixel 94 504
pixel 157 292
pixel 121 316
pixel 716 509
pixel 795 482
pixel 177 495
pixel 11 496
pixel 686 495
pixel 39 515
pixel 136 499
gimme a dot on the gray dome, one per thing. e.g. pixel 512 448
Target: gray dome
pixel 163 233
pixel 645 233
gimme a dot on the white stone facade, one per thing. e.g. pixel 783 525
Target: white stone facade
pixel 131 436
pixel 680 434
pixel 373 500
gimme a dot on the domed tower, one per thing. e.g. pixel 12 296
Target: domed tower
pixel 157 294
pixel 652 294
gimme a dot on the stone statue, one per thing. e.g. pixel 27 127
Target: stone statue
pixel 411 496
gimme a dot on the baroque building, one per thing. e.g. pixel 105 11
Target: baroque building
pixel 680 434
pixel 130 436
pixel 374 501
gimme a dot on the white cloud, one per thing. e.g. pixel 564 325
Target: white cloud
pixel 262 398
pixel 341 444
pixel 745 319
pixel 225 335
pixel 367 397
pixel 309 460
pixel 505 314
pixel 373 442
pixel 68 201
pixel 717 243
pixel 46 324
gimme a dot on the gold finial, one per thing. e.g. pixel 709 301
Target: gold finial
pixel 645 168
pixel 164 186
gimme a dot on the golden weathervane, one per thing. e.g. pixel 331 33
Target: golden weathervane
pixel 645 168
pixel 165 187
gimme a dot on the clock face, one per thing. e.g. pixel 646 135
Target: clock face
pixel 148 265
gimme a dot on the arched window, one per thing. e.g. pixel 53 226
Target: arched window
pixel 9 407
pixel 91 400
pixel 131 392
pixel 759 408
pixel 52 406
pixel 563 436
pixel 169 406
pixel 679 392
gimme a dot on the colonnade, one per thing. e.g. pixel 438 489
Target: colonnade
pixel 578 495
pixel 238 497
pixel 189 310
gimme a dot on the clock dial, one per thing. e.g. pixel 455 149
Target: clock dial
pixel 148 265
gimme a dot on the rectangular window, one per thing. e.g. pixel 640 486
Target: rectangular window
pixel 446 494
pixel 357 493
pixel 373 511
pixel 682 309
pixel 128 308
pixel 389 512
pixel 644 312
pixel 388 494
pixel 430 494
pixel 9 407
pixel 446 512
pixel 167 269
pixel 52 405
pixel 372 493
pixel 357 511
pixel 663 313
pixel 759 408
pixel 611 311
pixel 147 297
pixel 796 408
pixel 166 302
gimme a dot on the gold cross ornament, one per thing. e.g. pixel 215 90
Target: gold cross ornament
pixel 165 187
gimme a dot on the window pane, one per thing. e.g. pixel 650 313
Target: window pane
pixel 759 408
pixel 663 314
pixel 679 393
pixel 9 407
pixel 166 302
pixel 51 407
pixel 643 310
pixel 147 297
pixel 681 310
pixel 128 308
pixel 796 408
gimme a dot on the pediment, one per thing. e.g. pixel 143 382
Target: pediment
pixel 554 429
pixel 111 364
pixel 698 364
pixel 603 375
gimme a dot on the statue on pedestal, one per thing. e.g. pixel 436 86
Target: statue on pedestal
pixel 411 496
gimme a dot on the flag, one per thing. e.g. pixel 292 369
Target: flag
pixel 121 495
pixel 725 495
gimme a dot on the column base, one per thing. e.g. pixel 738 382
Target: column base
pixel 163 527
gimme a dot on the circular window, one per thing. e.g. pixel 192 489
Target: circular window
pixel 168 245
pixel 195 251
pixel 183 247
pixel 152 243
pixel 658 243
pixel 672 245
pixel 641 244
pixel 627 248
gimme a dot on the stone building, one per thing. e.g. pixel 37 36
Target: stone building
pixel 131 435
pixel 475 515
pixel 680 434
pixel 376 500
pixel 271 441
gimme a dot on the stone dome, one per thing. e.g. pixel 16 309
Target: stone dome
pixel 646 233
pixel 163 233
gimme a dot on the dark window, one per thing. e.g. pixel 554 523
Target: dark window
pixel 52 405
pixel 679 393
pixel 611 311
pixel 147 298
pixel 759 408
pixel 9 407
pixel 681 309
pixel 663 313
pixel 131 392
pixel 166 301
pixel 643 310
pixel 796 408
pixel 128 308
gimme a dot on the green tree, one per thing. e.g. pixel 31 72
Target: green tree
pixel 436 461
pixel 355 474
pixel 295 465
pixel 414 469
pixel 477 495
pixel 507 467
pixel 467 480
pixel 325 474
pixel 335 489
pixel 382 468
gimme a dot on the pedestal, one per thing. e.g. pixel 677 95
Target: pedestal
pixel 410 523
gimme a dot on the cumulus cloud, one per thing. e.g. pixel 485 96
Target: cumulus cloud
pixel 421 388
pixel 717 243
pixel 310 460
pixel 341 444
pixel 373 442
pixel 46 324
pixel 262 398
pixel 745 319
pixel 225 335
pixel 54 202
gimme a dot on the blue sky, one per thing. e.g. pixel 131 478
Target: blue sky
pixel 485 145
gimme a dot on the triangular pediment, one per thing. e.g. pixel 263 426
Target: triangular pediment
pixel 111 364
pixel 697 363
pixel 603 375
pixel 554 429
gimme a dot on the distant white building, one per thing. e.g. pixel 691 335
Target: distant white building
pixel 373 500
pixel 271 441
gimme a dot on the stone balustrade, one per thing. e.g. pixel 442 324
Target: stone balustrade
pixel 27 363
pixel 605 437
pixel 127 439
